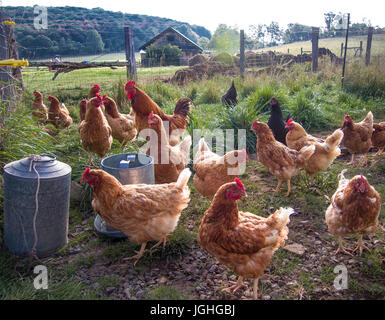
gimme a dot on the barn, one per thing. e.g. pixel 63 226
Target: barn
pixel 173 37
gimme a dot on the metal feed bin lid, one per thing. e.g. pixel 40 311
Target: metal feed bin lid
pixel 20 187
pixel 140 170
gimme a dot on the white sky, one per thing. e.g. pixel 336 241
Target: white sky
pixel 240 13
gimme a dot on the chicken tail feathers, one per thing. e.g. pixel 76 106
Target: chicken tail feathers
pixel 278 227
pixel 304 154
pixel 183 178
pixel 335 138
pixel 183 107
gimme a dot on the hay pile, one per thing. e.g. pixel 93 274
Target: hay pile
pixel 203 70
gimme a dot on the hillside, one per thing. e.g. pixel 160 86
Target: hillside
pixel 75 30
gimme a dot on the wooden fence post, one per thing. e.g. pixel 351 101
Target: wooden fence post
pixel 342 49
pixel 130 53
pixel 242 53
pixel 361 48
pixel 6 81
pixel 345 52
pixel 368 46
pixel 314 48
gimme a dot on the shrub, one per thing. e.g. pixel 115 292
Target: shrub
pixel 163 55
pixel 224 57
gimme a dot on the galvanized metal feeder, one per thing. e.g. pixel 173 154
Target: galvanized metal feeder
pixel 128 168
pixel 36 205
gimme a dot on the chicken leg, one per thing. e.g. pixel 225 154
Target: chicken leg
pixel 255 289
pixel 341 248
pixel 352 160
pixel 163 240
pixel 360 245
pixel 288 188
pixel 278 186
pixel 237 285
pixel 379 152
pixel 139 254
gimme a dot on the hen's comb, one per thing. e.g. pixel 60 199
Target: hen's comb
pixel 151 115
pixel 362 178
pixel 129 84
pixel 347 116
pixel 85 173
pixel 289 121
pixel 96 86
pixel 239 183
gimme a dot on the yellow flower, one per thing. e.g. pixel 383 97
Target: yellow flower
pixel 9 23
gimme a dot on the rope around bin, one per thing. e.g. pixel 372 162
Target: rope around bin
pixel 33 159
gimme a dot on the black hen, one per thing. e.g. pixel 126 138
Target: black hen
pixel 276 123
pixel 229 99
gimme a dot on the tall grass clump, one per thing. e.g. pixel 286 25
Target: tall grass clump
pixel 118 93
pixel 242 117
pixel 209 94
pixel 306 111
pixel 162 93
pixel 367 82
pixel 22 137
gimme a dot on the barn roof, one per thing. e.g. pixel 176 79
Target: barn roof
pixel 192 47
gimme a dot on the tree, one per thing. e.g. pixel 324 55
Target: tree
pixel 297 32
pixel 257 33
pixel 94 43
pixel 163 55
pixel 274 32
pixel 203 42
pixel 225 39
pixel 329 17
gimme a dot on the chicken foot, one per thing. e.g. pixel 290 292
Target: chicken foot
pixel 379 152
pixel 352 160
pixel 139 254
pixel 341 248
pixel 288 188
pixel 361 246
pixel 278 186
pixel 236 285
pixel 163 240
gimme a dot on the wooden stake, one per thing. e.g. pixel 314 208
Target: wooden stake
pixel 368 46
pixel 130 53
pixel 314 48
pixel 346 47
pixel 242 53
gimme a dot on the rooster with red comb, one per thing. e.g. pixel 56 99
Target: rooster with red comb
pixel 242 241
pixel 143 105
